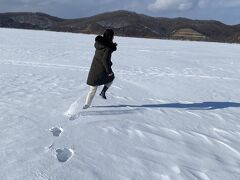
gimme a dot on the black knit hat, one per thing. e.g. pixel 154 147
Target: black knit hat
pixel 108 34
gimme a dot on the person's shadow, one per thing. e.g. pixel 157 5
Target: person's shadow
pixel 190 106
pixel 134 108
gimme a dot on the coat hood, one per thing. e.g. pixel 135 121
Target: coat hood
pixel 101 43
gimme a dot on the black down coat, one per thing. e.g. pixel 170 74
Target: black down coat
pixel 101 64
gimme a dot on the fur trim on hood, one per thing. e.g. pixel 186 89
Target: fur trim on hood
pixel 99 39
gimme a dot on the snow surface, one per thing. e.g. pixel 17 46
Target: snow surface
pixel 173 111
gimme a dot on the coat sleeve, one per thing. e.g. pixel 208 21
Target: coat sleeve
pixel 106 61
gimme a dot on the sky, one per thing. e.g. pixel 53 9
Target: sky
pixel 227 11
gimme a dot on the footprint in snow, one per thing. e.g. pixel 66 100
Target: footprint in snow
pixel 64 154
pixel 56 131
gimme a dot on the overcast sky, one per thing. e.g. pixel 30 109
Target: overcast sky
pixel 227 11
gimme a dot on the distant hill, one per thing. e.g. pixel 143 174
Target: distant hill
pixel 128 24
pixel 39 21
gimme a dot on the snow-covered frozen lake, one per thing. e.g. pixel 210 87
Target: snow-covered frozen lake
pixel 173 112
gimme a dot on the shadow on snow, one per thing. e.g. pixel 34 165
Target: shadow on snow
pixel 190 106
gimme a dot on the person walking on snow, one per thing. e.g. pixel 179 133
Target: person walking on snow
pixel 101 72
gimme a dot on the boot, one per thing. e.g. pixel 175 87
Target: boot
pixel 86 106
pixel 102 94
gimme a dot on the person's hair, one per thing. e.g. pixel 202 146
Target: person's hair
pixel 108 35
